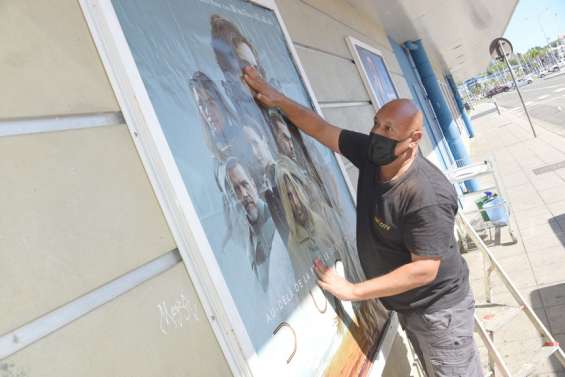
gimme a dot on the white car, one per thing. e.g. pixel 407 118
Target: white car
pixel 524 81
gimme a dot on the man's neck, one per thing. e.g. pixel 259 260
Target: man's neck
pixel 395 170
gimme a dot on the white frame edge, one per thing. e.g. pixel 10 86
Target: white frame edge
pixel 352 42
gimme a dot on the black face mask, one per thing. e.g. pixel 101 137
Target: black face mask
pixel 381 149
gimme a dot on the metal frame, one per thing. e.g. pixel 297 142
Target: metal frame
pixel 170 190
pixel 476 170
pixel 352 43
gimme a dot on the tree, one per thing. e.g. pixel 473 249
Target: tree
pixel 477 89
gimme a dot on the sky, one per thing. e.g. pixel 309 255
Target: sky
pixel 533 20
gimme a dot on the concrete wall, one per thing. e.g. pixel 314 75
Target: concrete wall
pixel 79 211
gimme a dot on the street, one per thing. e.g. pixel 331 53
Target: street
pixel 545 99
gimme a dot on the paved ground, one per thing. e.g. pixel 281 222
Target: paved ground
pixel 537 262
pixel 545 99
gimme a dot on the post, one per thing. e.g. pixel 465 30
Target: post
pixel 516 86
pixel 439 103
pixel 460 106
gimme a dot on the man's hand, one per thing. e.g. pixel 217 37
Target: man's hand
pixel 331 282
pixel 264 93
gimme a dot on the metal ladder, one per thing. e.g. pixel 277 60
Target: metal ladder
pixel 505 313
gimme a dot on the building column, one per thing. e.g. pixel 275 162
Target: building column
pixel 459 101
pixel 439 103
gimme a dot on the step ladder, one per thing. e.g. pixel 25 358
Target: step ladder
pixel 501 315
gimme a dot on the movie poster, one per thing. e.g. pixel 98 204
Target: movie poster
pixel 377 75
pixel 270 199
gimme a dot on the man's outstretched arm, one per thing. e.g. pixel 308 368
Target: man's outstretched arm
pixel 302 117
pixel 418 273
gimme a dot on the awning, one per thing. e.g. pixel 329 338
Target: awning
pixel 456 33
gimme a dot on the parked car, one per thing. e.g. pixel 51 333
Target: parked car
pixel 497 90
pixel 552 69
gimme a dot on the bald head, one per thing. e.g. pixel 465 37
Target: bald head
pixel 398 119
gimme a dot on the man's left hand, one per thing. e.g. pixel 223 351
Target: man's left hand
pixel 330 281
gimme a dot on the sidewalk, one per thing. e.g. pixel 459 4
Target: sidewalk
pixel 537 262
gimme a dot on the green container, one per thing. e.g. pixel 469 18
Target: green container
pixel 488 197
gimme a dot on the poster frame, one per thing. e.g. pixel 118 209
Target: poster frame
pixel 171 192
pixel 352 43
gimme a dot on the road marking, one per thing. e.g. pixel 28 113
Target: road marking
pixel 528 103
pixel 558 90
pixel 516 108
pixel 544 96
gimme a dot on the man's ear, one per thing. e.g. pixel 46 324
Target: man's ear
pixel 416 137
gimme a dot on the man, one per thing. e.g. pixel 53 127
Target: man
pixel 266 178
pixel 405 216
pixel 221 131
pixel 261 227
pixel 228 56
pixel 283 138
pixel 269 260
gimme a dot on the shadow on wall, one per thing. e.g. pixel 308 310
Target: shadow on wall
pixel 554 296
pixel 557 224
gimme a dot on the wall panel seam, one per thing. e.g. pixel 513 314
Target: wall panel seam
pixel 52 123
pixel 53 321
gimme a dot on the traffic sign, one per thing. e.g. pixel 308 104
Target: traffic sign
pixel 500 48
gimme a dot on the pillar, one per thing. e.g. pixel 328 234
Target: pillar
pixel 459 102
pixel 439 103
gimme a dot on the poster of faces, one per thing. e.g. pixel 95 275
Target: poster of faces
pixel 377 75
pixel 270 199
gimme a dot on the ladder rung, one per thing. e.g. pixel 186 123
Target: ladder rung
pixel 544 353
pixel 494 320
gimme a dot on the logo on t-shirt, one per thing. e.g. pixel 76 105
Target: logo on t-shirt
pixel 381 224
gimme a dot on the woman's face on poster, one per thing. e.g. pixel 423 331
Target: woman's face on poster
pixel 210 110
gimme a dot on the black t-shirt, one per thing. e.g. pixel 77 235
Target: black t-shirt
pixel 412 214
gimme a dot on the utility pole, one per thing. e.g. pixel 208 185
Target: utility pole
pixel 501 49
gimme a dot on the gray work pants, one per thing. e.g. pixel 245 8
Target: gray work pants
pixel 444 340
